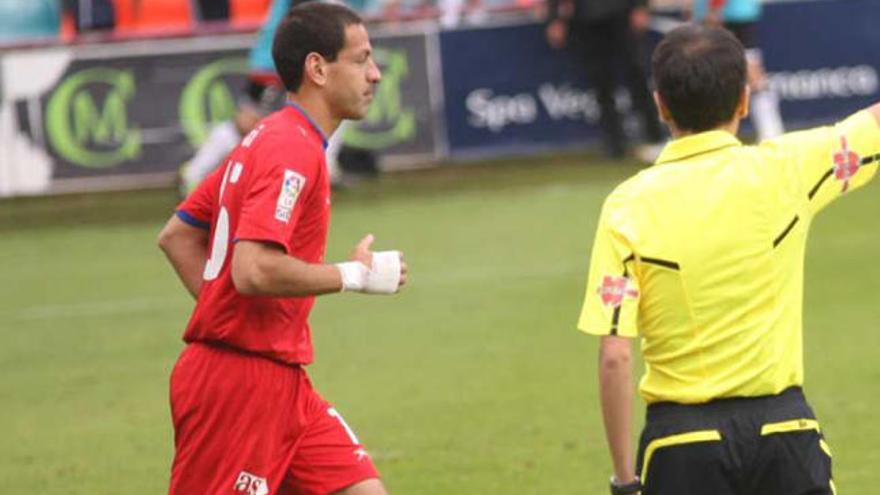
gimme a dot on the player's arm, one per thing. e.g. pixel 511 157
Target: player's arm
pixel 616 396
pixel 186 247
pixel 264 269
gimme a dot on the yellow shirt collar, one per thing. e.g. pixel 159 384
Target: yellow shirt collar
pixel 697 144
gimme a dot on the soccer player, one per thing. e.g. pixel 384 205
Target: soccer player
pixel 741 17
pixel 702 257
pixel 249 244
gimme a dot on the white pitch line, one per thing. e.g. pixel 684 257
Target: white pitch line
pixel 154 304
pixel 93 308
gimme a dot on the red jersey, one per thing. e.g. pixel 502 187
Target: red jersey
pixel 273 187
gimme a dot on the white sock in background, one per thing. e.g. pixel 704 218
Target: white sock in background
pixel 765 114
pixel 223 139
pixel 764 102
pixel 332 152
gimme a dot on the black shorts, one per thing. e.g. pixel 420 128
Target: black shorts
pixel 752 446
pixel 745 32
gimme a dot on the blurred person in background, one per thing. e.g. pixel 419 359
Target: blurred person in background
pixel 741 17
pixel 29 20
pixel 82 16
pixel 211 10
pixel 608 34
pixel 452 12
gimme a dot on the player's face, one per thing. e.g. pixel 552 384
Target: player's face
pixel 353 76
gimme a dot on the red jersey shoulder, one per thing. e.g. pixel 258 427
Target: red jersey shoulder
pixel 279 141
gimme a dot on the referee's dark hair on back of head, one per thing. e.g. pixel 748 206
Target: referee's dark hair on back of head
pixel 700 74
pixel 312 27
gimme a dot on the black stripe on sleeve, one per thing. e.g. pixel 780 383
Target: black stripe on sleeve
pixel 615 318
pixel 870 159
pixel 664 263
pixel 815 188
pixel 785 232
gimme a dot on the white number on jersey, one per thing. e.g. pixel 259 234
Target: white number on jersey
pixel 220 244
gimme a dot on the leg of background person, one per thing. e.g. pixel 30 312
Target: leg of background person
pixel 211 10
pixel 333 148
pixel 632 55
pixel 598 54
pixel 765 102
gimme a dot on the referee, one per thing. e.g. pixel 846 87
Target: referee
pixel 702 256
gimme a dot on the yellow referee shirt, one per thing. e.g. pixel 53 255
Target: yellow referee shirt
pixel 702 256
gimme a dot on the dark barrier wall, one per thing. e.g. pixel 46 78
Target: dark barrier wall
pixel 128 114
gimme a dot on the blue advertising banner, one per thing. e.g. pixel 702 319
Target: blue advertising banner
pixel 505 88
pixel 506 91
pixel 823 58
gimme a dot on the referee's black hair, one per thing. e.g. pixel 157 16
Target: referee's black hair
pixel 312 27
pixel 700 73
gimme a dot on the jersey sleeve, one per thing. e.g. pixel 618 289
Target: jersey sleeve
pixel 275 198
pixel 612 296
pixel 198 207
pixel 834 160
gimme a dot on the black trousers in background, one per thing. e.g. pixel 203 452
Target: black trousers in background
pixel 769 445
pixel 212 10
pixel 609 46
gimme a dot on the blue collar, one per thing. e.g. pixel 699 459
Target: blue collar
pixel 311 122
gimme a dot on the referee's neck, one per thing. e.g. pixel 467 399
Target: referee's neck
pixel 731 127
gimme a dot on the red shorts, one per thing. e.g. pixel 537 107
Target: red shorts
pixel 246 425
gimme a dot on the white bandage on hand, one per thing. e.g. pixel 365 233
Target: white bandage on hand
pixel 384 275
pixel 354 275
pixel 382 278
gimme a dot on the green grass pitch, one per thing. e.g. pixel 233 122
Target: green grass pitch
pixel 472 381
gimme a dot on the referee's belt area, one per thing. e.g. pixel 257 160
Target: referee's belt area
pixel 770 445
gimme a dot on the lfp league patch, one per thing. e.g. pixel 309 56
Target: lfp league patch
pixel 292 185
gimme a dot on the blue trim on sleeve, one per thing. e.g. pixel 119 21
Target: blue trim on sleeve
pixel 191 220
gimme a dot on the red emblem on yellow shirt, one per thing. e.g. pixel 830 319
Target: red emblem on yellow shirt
pixel 846 163
pixel 615 289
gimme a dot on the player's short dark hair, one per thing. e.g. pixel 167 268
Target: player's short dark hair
pixel 312 27
pixel 700 73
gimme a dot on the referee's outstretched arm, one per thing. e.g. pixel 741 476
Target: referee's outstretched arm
pixel 875 110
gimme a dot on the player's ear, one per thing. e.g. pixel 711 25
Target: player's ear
pixel 742 110
pixel 662 110
pixel 316 69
